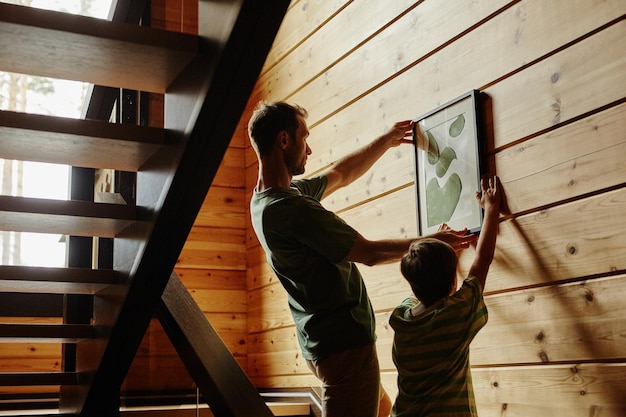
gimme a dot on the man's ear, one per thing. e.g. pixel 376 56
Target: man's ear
pixel 283 139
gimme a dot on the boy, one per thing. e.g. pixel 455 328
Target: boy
pixel 433 331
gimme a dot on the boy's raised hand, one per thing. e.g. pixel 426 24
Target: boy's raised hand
pixel 491 196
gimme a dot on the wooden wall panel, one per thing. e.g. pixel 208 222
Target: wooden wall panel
pixel 224 207
pixel 213 279
pixel 550 164
pixel 345 34
pixel 268 309
pixel 554 73
pixel 557 88
pixel 175 15
pixel 402 46
pixel 221 255
pixel 583 321
pixel 583 386
pixel 298 25
pixel 36 357
pixel 157 366
pixel 525 410
pixel 575 322
pixel 229 172
pixel 428 90
pixel 553 244
pixel 577 239
pixel 259 273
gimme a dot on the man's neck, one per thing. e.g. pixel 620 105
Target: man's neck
pixel 272 177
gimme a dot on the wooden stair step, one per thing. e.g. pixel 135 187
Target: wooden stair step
pixel 45 333
pixel 30 279
pixel 43 414
pixel 35 306
pixel 39 404
pixel 14 379
pixel 66 46
pixel 66 217
pixel 277 409
pixel 76 142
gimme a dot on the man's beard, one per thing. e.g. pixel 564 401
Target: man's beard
pixel 297 167
pixel 297 170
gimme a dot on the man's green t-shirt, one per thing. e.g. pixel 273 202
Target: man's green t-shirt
pixel 306 246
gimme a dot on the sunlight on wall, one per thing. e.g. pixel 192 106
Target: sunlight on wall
pixel 63 98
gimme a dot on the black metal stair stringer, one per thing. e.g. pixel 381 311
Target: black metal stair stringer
pixel 207 102
pixel 217 374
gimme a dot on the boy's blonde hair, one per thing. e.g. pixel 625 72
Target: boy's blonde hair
pixel 430 268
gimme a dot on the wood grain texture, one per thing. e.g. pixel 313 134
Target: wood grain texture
pixel 300 22
pixel 585 76
pixel 562 323
pixel 552 245
pixel 576 322
pixel 41 42
pixel 53 280
pixel 565 163
pixel 268 308
pixel 229 172
pixel 61 140
pixel 583 385
pixel 342 32
pixel 37 357
pixel 554 73
pixel 208 278
pixel 66 217
pixel 358 130
pixel 223 207
pixel 529 409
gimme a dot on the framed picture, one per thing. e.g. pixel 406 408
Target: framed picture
pixel 448 165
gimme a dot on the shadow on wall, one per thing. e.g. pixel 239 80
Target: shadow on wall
pixel 576 330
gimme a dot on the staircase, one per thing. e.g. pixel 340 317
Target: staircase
pixel 207 80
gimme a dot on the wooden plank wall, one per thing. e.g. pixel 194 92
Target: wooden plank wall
pixel 555 73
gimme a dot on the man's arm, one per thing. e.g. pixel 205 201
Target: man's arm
pixel 352 166
pixel 491 199
pixel 375 252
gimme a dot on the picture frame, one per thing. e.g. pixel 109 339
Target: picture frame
pixel 449 164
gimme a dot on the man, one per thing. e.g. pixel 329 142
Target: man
pixel 313 251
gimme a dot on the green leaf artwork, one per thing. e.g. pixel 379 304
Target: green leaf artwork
pixel 433 149
pixel 457 126
pixel 445 159
pixel 442 201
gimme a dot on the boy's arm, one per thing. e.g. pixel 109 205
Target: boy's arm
pixel 491 199
pixel 352 166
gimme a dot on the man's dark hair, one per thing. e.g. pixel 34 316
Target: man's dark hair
pixel 430 268
pixel 268 119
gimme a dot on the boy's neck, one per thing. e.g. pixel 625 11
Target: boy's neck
pixel 417 310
